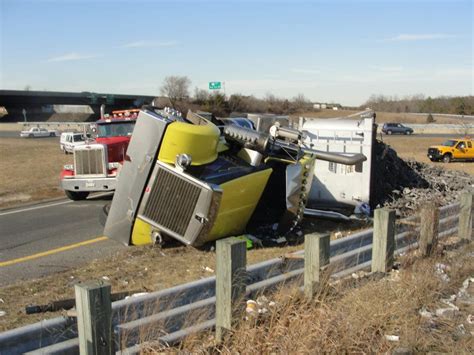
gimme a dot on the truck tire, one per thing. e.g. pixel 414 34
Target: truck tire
pixel 447 158
pixel 76 195
pixel 407 133
pixel 31 135
pixel 389 132
pixel 52 134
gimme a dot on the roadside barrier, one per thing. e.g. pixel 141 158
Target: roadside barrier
pixel 212 302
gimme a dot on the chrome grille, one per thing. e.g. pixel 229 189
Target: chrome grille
pixel 89 161
pixel 172 201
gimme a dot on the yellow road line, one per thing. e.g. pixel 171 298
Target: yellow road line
pixel 52 251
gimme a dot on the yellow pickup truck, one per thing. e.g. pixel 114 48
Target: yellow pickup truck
pixel 452 149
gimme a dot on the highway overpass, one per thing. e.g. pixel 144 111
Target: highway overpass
pixel 39 105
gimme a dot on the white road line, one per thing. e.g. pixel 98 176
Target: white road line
pixel 35 208
pixel 48 205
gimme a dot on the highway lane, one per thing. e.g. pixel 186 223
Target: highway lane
pixel 47 238
pixel 14 134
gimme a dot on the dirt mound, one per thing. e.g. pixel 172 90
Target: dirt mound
pixel 406 185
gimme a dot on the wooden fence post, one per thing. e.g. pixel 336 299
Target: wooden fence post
pixel 429 219
pixel 231 260
pixel 383 243
pixel 465 217
pixel 94 318
pixel 316 255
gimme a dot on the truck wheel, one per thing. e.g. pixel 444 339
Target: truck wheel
pixel 407 133
pixel 30 135
pixel 76 195
pixel 447 158
pixel 389 132
pixel 52 134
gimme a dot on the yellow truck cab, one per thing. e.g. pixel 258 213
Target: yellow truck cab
pixel 452 149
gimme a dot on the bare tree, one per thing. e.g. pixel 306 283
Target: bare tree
pixel 176 88
pixel 301 103
pixel 200 96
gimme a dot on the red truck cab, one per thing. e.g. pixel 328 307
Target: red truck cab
pixel 98 162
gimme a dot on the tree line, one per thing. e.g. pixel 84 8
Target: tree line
pixel 177 90
pixel 458 105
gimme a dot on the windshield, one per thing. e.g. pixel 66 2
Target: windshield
pixel 116 129
pixel 449 143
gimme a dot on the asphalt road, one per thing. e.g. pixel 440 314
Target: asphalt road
pixel 51 237
pixel 16 134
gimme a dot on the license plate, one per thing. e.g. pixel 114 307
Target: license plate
pixel 90 184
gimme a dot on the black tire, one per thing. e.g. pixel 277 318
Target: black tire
pixel 76 195
pixel 447 158
pixel 52 134
pixel 31 135
pixel 408 133
pixel 389 132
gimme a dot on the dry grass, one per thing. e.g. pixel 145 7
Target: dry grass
pixel 356 320
pixel 29 170
pixel 139 268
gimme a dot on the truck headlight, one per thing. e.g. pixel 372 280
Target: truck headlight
pixel 183 161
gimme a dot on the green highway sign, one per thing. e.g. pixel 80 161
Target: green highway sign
pixel 215 85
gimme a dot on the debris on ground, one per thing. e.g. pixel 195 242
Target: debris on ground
pixel 406 185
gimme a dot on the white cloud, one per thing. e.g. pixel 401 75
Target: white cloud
pixel 149 44
pixel 305 71
pixel 419 37
pixel 72 56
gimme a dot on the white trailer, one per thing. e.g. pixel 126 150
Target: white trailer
pixel 335 186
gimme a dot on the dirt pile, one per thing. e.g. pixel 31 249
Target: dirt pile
pixel 406 185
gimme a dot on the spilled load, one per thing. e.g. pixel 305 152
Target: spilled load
pixel 194 182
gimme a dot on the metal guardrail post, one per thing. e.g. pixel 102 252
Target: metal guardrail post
pixel 316 255
pixel 231 261
pixel 465 217
pixel 383 244
pixel 94 318
pixel 429 219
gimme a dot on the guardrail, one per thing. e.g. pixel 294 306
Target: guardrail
pixel 169 311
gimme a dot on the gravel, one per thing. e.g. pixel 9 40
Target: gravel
pixel 406 185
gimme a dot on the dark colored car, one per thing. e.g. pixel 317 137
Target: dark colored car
pixel 396 128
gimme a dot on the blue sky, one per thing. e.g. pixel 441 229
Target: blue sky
pixel 339 51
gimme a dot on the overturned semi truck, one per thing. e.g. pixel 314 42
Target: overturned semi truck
pixel 192 182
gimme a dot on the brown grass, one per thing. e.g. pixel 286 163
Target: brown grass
pixel 139 268
pixel 29 170
pixel 356 320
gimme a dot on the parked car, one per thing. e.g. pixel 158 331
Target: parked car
pixel 396 128
pixel 70 140
pixel 38 132
pixel 452 149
